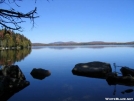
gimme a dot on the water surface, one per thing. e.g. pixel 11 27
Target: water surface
pixel 62 85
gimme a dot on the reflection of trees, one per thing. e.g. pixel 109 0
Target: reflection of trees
pixel 8 57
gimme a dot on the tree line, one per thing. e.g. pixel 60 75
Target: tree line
pixel 11 40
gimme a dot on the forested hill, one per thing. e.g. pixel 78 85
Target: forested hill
pixel 12 40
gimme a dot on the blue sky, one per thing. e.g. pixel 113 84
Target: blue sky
pixel 79 20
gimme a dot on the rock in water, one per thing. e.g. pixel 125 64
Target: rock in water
pixel 12 80
pixel 40 73
pixel 13 71
pixel 126 71
pixel 92 69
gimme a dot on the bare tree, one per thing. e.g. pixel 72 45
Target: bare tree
pixel 11 19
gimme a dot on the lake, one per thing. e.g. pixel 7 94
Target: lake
pixel 62 85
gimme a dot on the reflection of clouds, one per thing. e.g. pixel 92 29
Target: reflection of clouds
pixel 82 98
pixel 67 87
pixel 86 97
pixel 68 99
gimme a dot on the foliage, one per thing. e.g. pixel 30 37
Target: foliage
pixel 11 40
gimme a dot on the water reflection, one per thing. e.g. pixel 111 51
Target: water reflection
pixel 62 85
pixel 124 91
pixel 9 57
pixel 93 69
pixel 12 80
pixel 120 80
pixel 127 91
pixel 81 46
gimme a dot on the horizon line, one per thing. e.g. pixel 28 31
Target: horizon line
pixel 84 42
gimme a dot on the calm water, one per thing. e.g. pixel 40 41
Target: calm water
pixel 62 85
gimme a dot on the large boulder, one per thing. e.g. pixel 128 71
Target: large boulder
pixel 12 80
pixel 94 69
pixel 40 73
pixel 13 71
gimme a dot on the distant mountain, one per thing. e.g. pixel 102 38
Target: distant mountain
pixel 71 42
pixel 38 44
pixel 97 42
pixel 130 42
pixel 83 43
pixel 60 42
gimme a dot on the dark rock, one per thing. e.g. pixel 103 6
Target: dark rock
pixel 13 71
pixel 40 73
pixel 94 69
pixel 12 80
pixel 127 91
pixel 120 80
pixel 111 78
pixel 111 74
pixel 126 71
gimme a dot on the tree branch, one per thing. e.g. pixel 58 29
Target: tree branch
pixel 10 16
pixel 13 17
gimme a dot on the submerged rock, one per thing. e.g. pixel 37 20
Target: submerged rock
pixel 92 69
pixel 40 73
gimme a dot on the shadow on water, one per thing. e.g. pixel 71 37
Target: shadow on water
pixel 102 70
pixel 12 80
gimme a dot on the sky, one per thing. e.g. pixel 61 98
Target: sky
pixel 78 20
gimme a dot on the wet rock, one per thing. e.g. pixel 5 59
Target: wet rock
pixel 111 74
pixel 13 71
pixel 120 80
pixel 94 69
pixel 40 73
pixel 12 80
pixel 126 71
